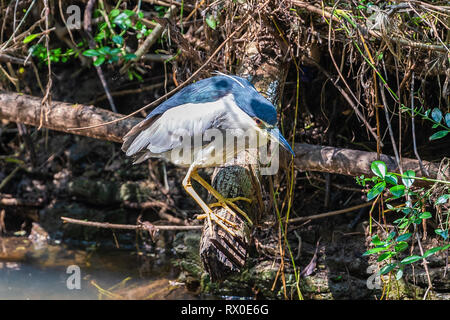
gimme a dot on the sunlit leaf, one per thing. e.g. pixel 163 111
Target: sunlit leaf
pixel 30 38
pixel 442 233
pixel 99 61
pixel 398 190
pixel 376 190
pixel 391 236
pixel 436 114
pixel 117 39
pixel 425 215
pixel 442 199
pixel 91 53
pixel 387 268
pixel 447 119
pixel 431 251
pixel 211 22
pixel 411 259
pixel 438 135
pixel 114 13
pixel 376 240
pixel 379 168
pixel 408 178
pixel 404 237
pixel 384 256
pixel 402 245
pixel 375 250
pixel 391 178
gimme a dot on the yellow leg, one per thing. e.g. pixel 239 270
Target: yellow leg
pixel 209 215
pixel 218 204
pixel 225 203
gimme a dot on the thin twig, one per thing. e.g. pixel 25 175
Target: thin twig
pixel 331 213
pixel 107 225
pixel 391 132
pixel 88 28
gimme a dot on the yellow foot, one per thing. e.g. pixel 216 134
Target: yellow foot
pixel 227 204
pixel 220 221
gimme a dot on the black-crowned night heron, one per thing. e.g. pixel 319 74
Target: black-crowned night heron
pixel 199 126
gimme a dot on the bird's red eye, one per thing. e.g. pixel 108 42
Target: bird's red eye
pixel 258 122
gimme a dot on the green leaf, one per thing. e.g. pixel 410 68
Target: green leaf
pixel 117 39
pixel 376 190
pixel 123 20
pixel 104 50
pixel 375 250
pixel 376 240
pixel 30 38
pixel 379 168
pixel 404 237
pixel 431 251
pixel 425 215
pixel 211 22
pixel 114 13
pixel 99 61
pixel 411 259
pixel 447 119
pixel 387 268
pixel 385 255
pixel 442 199
pixel 399 274
pixel 391 236
pixel 391 178
pixel 128 13
pixel 398 190
pixel 408 179
pixel 402 245
pixel 442 233
pixel 436 114
pixel 100 36
pixel 129 56
pixel 91 53
pixel 438 135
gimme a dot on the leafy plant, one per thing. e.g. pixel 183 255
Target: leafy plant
pixel 411 213
pixel 438 119
pixel 56 55
pixel 111 36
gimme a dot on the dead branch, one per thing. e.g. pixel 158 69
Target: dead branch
pixel 353 162
pixel 63 116
pixel 142 226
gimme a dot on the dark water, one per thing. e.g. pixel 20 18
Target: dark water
pixel 30 272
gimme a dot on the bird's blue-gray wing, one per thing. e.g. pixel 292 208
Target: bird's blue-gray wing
pixel 166 132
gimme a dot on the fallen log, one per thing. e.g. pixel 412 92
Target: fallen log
pixel 356 162
pixel 63 116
